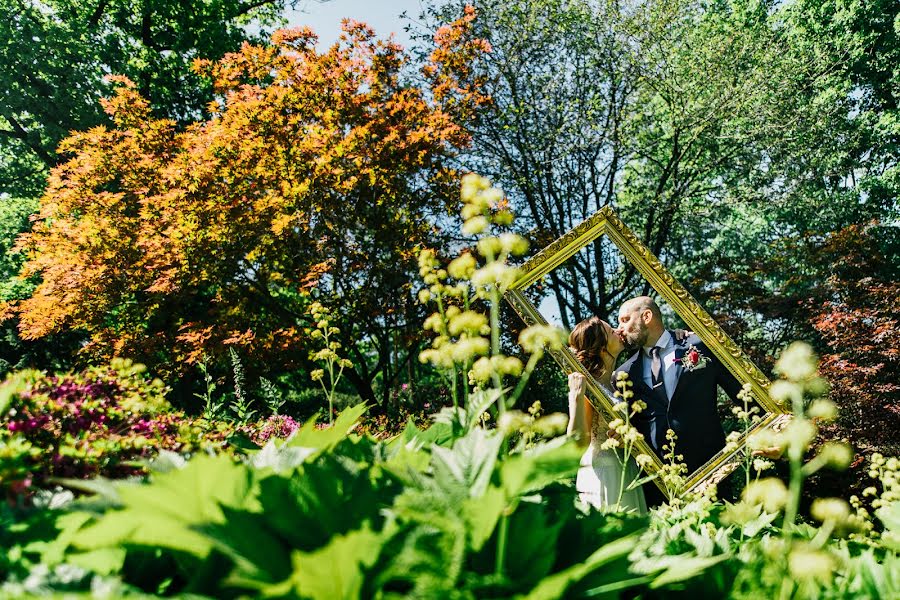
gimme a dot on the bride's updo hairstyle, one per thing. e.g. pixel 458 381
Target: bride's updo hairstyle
pixel 588 343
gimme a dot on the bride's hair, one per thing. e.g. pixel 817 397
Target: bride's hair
pixel 588 343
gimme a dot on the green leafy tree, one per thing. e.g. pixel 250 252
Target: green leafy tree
pixel 54 56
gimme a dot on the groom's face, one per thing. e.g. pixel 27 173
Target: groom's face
pixel 632 327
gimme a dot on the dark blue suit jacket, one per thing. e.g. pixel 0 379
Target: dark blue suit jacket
pixel 691 411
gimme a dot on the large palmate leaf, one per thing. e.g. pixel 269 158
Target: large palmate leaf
pixel 466 469
pixel 310 437
pixel 329 496
pixel 259 555
pixel 538 467
pixel 481 515
pixel 556 585
pixel 441 433
pixel 167 512
pixel 532 538
pixel 424 559
pixel 333 572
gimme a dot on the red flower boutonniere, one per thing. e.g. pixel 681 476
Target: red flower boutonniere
pixel 692 359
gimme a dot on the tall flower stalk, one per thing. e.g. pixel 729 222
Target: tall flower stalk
pixel 466 348
pixel 625 434
pixel 327 355
pixel 467 343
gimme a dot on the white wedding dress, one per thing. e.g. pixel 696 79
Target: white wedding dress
pixel 600 475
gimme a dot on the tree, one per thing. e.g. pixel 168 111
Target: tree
pixel 55 54
pixel 49 353
pixel 315 171
pixel 856 317
pixel 664 110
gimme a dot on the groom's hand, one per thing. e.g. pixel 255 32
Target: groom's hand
pixel 773 453
pixel 682 334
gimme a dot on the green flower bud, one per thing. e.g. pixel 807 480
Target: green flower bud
pixel 537 337
pixel 475 225
pixel 468 321
pixel 552 425
pixel 513 244
pixel 835 510
pixel 836 455
pixel 490 247
pixel 462 267
pixel 785 392
pixel 770 493
pixel 797 362
pixel 807 564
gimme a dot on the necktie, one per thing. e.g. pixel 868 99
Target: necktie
pixel 656 376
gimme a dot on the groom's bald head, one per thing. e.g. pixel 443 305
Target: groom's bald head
pixel 642 303
pixel 640 322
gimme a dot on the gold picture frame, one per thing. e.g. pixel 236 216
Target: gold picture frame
pixel 605 222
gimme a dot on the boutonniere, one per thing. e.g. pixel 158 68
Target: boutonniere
pixel 692 359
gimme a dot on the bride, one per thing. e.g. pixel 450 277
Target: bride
pixel 599 478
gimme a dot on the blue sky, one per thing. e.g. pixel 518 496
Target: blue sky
pixel 382 16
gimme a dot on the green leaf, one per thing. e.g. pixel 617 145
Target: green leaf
pixel 481 515
pixel 425 559
pixel 546 463
pixel 466 469
pixel 310 437
pixel 533 532
pixel 327 497
pixel 104 561
pixel 336 571
pixel 166 511
pixel 280 458
pixel 259 556
pixel 753 527
pixel 479 402
pixel 555 585
pixel 683 567
pixel 105 489
pixel 53 550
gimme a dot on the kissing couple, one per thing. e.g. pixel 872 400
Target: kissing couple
pixel 672 372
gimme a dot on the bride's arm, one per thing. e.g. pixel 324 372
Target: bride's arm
pixel 580 411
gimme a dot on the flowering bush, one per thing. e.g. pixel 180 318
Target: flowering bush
pixel 276 426
pixel 95 422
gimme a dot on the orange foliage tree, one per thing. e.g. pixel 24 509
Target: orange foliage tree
pixel 315 170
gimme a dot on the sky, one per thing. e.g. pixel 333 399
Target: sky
pixel 382 15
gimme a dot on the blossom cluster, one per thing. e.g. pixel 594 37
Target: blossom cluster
pixel 95 422
pixel 466 340
pixel 276 426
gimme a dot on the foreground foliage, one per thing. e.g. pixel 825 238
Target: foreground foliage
pixel 330 514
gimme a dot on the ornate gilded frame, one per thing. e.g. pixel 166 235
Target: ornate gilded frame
pixel 605 222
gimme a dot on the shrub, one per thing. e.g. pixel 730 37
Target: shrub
pixel 95 422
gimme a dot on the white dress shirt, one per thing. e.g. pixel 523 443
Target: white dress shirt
pixel 667 359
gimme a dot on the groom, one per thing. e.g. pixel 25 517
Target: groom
pixel 678 381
